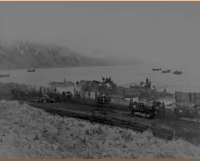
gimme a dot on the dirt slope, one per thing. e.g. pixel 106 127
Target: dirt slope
pixel 29 133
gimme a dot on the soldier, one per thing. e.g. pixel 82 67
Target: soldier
pixel 154 89
pixel 163 109
pixel 64 95
pixel 190 96
pixel 146 83
pixel 89 94
pixel 79 95
pixel 96 95
pixel 57 96
pixel 76 94
pixel 139 99
pixel 131 103
pixel 52 93
pixel 55 90
pixel 70 95
pixel 103 78
pixel 131 100
pixel 33 91
pixel 99 97
pixel 40 90
pixel 103 98
pixel 83 95
pixel 110 79
pixel 44 89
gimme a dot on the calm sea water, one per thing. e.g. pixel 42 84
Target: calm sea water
pixel 122 75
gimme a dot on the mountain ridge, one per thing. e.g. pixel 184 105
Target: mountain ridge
pixel 22 55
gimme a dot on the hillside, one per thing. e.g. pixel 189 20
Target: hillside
pixel 31 55
pixel 29 133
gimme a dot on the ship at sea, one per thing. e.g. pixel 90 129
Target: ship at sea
pixel 156 69
pixel 6 75
pixel 61 84
pixel 166 71
pixel 177 72
pixel 31 70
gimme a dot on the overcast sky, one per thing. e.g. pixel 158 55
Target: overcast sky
pixel 161 31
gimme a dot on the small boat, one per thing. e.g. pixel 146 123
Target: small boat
pixel 31 70
pixel 157 69
pixel 6 75
pixel 177 72
pixel 166 71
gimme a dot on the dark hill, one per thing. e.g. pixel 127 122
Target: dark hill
pixel 31 55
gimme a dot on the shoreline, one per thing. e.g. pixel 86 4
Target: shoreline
pixel 71 66
pixel 54 67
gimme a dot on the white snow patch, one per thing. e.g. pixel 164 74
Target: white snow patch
pixel 21 52
pixel 18 48
pixel 36 52
pixel 48 47
pixel 54 47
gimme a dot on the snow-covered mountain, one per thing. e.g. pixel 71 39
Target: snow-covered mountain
pixel 32 55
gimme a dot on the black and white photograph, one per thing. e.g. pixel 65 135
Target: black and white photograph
pixel 99 80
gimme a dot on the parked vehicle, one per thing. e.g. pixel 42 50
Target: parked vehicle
pixel 104 99
pixel 187 114
pixel 144 110
pixel 6 75
pixel 44 100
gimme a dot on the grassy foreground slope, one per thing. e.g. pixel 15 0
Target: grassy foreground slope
pixel 29 133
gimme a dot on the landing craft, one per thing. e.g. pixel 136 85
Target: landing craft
pixel 157 69
pixel 166 71
pixel 6 75
pixel 177 72
pixel 31 70
pixel 61 84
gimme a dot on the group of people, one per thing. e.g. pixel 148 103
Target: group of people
pixel 82 95
pixel 107 80
pixel 53 93
pixel 68 95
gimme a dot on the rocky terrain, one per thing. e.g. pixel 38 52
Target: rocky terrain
pixel 29 133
